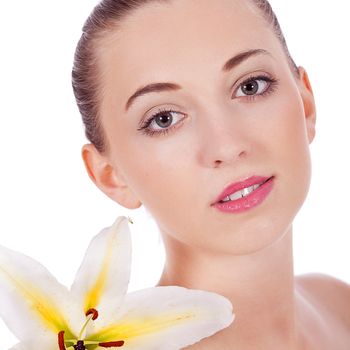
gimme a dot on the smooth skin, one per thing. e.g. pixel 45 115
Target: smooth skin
pixel 218 135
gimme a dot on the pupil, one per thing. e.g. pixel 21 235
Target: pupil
pixel 164 120
pixel 251 88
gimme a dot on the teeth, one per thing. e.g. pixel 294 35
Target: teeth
pixel 240 194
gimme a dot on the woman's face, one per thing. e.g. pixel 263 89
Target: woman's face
pixel 216 125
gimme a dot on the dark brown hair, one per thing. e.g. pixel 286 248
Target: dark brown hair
pixel 85 76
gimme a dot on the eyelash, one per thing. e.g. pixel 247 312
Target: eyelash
pixel 271 87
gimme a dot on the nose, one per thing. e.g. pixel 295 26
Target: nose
pixel 222 140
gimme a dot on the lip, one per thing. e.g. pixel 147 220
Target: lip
pixel 248 202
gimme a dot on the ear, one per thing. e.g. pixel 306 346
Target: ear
pixel 107 178
pixel 309 103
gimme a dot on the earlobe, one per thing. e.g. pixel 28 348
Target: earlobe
pixel 107 178
pixel 309 104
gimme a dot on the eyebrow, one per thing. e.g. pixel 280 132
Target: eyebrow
pixel 159 87
pixel 241 57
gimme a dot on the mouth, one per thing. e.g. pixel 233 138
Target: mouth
pixel 239 190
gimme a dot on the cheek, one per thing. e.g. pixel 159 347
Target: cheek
pixel 164 185
pixel 293 140
pixel 157 171
pixel 290 152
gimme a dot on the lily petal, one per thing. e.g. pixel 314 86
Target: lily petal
pixel 167 318
pixel 102 279
pixel 32 302
pixel 36 343
pixel 19 346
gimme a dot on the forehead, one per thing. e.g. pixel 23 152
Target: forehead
pixel 173 40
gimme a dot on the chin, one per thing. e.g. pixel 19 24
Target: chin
pixel 262 227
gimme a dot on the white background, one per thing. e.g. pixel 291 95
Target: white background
pixel 50 209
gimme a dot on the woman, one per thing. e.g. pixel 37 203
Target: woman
pixel 196 110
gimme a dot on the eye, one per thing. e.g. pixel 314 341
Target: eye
pixel 255 86
pixel 162 122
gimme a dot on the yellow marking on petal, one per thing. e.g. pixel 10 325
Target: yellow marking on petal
pixel 143 326
pixel 93 296
pixel 45 308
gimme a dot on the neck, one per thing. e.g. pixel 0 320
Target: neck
pixel 260 287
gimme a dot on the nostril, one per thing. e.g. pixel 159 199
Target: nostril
pixel 218 162
pixel 242 154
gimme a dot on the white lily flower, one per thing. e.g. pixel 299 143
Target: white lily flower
pixel 97 313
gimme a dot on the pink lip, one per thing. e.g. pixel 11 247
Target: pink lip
pixel 248 202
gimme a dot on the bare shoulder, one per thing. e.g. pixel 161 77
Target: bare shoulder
pixel 328 294
pixel 323 283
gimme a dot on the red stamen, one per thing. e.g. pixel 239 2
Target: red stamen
pixel 61 340
pixel 111 344
pixel 94 312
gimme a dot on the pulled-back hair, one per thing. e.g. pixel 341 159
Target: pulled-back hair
pixel 85 75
